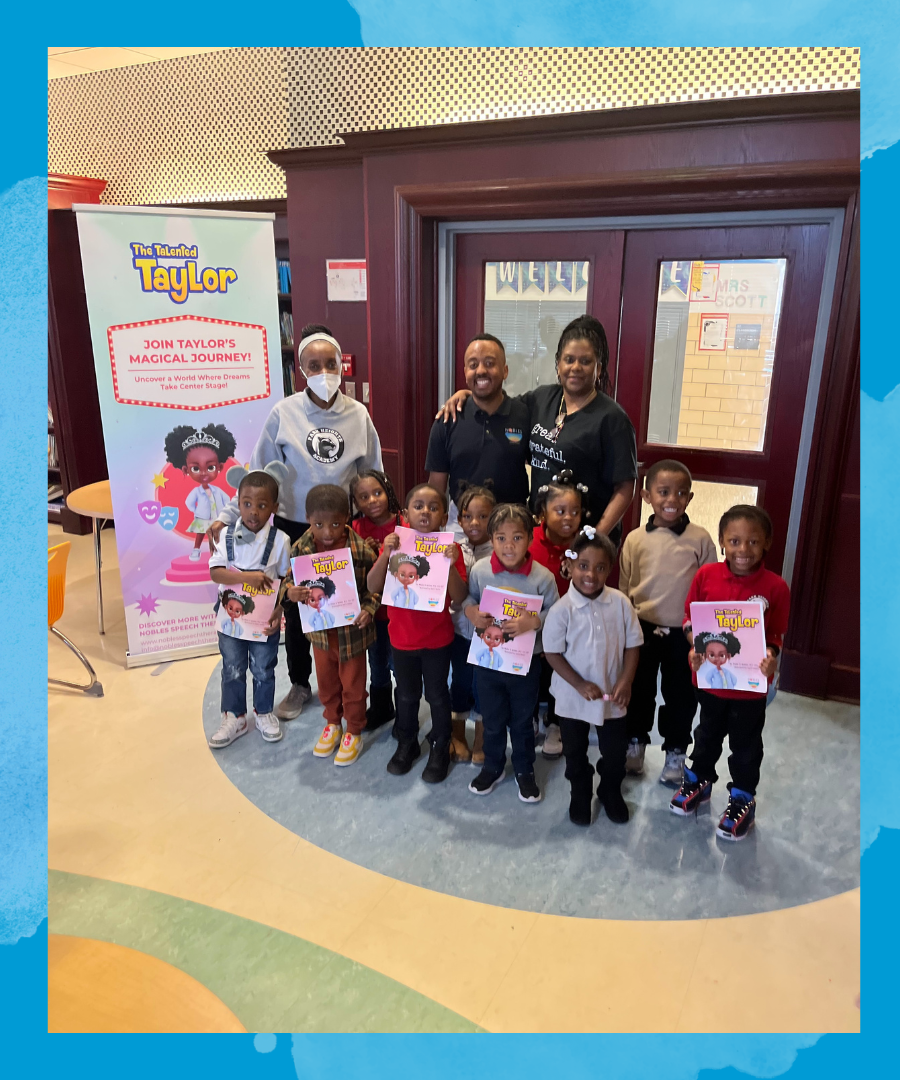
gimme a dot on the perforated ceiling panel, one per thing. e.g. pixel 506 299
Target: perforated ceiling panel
pixel 196 128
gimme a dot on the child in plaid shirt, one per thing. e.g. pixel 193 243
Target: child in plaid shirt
pixel 340 652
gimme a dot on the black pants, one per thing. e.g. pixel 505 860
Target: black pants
pixel 612 736
pixel 742 721
pixel 669 653
pixel 296 645
pixel 507 702
pixel 412 667
pixel 544 692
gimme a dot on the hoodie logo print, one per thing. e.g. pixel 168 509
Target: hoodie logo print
pixel 325 445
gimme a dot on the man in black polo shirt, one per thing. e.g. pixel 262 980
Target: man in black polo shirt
pixel 490 437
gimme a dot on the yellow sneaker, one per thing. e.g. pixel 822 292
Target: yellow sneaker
pixel 349 751
pixel 328 740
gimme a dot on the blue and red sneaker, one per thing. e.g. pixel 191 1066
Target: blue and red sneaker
pixel 738 819
pixel 692 794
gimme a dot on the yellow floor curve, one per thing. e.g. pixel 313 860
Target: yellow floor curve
pixel 136 797
pixel 93 986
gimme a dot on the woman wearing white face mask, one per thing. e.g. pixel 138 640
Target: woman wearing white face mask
pixel 324 438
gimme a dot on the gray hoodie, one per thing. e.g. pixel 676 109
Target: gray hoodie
pixel 319 446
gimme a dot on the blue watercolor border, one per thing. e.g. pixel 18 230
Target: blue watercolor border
pixel 872 26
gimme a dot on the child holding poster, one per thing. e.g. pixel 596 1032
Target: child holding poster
pixel 508 698
pixel 339 646
pixel 745 534
pixel 422 636
pixel 250 557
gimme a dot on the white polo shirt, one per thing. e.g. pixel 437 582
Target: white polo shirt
pixel 593 636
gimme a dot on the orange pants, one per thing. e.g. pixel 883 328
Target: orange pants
pixel 342 686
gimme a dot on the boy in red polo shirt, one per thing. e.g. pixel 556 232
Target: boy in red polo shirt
pixel 421 644
pixel 745 533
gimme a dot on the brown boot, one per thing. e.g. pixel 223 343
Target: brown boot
pixel 459 748
pixel 478 747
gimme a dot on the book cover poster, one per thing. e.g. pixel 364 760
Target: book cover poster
pixel 244 611
pixel 417 572
pixel 333 599
pixel 731 639
pixel 492 648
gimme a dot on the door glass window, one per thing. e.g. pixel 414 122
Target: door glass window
pixel 709 503
pixel 714 350
pixel 527 305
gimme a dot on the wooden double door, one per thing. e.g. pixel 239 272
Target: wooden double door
pixel 710 329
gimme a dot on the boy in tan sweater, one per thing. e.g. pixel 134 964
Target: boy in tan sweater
pixel 656 568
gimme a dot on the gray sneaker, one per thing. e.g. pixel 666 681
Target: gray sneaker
pixel 553 747
pixel 634 758
pixel 291 707
pixel 673 770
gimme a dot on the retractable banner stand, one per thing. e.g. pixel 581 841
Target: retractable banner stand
pixel 184 324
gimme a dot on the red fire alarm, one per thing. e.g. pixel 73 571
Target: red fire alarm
pixel 348 363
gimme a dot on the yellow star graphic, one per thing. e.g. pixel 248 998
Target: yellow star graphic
pixel 159 480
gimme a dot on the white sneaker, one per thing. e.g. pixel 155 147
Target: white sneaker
pixel 553 747
pixel 634 757
pixel 267 725
pixel 195 555
pixel 673 770
pixel 231 728
pixel 290 707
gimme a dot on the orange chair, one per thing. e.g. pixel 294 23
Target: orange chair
pixel 57 558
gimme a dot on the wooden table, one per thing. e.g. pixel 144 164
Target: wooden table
pixel 94 501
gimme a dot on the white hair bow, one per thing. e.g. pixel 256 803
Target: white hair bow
pixel 589 531
pixel 570 554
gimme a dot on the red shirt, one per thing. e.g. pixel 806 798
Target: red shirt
pixel 424 629
pixel 551 556
pixel 367 529
pixel 715 582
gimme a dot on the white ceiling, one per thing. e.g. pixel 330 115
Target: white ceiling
pixel 71 61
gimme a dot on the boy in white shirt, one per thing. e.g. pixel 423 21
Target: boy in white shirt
pixel 251 552
pixel 592 639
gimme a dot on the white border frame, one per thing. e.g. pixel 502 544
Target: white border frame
pixel 833 217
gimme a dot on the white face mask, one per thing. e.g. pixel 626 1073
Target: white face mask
pixel 324 385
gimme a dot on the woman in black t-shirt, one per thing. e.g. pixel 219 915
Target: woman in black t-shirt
pixel 575 424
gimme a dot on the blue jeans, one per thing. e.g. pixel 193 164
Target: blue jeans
pixel 508 702
pixel 380 663
pixel 261 656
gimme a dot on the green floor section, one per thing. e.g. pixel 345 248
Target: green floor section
pixel 272 981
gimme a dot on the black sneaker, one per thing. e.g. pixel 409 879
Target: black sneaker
pixel 438 765
pixel 485 782
pixel 528 789
pixel 692 794
pixel 738 819
pixel 404 757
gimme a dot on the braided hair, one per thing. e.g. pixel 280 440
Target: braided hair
pixel 558 484
pixel 587 328
pixel 467 493
pixel 380 478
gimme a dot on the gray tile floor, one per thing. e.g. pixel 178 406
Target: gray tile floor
pixel 804 847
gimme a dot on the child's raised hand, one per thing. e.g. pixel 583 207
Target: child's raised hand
pixel 298 593
pixel 481 620
pixel 259 579
pixel 392 541
pixel 212 535
pixel 769 665
pixel 372 544
pixel 590 691
pixel 621 693
pixel 273 626
pixel 452 552
pixel 362 619
pixel 695 660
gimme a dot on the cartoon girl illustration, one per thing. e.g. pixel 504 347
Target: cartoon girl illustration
pixel 493 637
pixel 716 649
pixel 201 456
pixel 407 569
pixel 321 591
pixel 235 605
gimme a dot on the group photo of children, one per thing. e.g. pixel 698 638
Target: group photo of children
pixel 484 588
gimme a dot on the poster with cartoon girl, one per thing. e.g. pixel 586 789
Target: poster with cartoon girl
pixel 330 597
pixel 418 571
pixel 492 648
pixel 729 646
pixel 201 456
